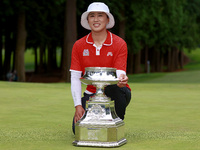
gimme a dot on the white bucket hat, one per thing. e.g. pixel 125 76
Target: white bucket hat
pixel 97 7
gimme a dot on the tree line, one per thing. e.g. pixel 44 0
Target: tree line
pixel 156 32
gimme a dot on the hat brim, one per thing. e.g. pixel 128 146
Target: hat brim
pixel 84 21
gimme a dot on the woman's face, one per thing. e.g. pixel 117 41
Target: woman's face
pixel 98 21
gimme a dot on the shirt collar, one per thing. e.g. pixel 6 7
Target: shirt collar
pixel 108 41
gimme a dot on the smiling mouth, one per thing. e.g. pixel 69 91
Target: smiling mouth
pixel 96 25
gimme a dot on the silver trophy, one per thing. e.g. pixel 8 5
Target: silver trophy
pixel 100 126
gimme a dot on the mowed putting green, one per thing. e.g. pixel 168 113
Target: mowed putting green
pixel 164 114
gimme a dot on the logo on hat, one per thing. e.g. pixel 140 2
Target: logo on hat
pixel 86 52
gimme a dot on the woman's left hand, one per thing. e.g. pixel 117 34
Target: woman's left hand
pixel 123 80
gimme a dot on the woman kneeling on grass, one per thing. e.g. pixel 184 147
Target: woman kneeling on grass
pixel 100 48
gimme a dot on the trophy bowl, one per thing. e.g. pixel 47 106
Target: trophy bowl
pixel 95 75
pixel 100 77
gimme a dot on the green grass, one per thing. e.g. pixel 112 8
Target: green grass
pixel 195 59
pixel 163 114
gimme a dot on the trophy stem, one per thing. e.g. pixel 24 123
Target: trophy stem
pixel 100 95
pixel 100 90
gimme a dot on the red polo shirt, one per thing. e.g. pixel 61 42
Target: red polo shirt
pixel 113 53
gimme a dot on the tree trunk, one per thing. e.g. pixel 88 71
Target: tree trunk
pixel 1 60
pixel 176 51
pixel 20 47
pixel 181 58
pixel 169 60
pixel 54 58
pixel 161 61
pixel 41 68
pixel 173 59
pixel 153 60
pixel 36 60
pixel 70 35
pixel 130 63
pixel 146 60
pixel 51 64
pixel 157 64
pixel 8 52
pixel 137 64
pixel 50 58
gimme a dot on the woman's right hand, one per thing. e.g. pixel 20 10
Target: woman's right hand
pixel 78 113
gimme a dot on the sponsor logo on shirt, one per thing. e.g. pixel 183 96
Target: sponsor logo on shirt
pixel 86 52
pixel 109 54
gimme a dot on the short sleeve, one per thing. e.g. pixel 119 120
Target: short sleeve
pixel 75 59
pixel 121 59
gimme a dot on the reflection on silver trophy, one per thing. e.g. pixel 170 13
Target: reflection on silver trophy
pixel 100 126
